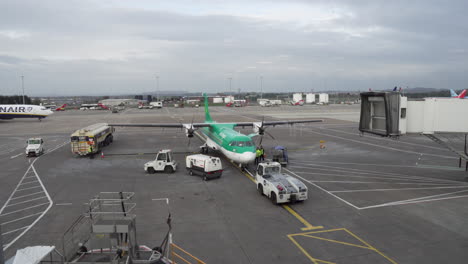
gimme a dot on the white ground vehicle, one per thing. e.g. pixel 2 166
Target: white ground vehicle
pixel 206 166
pixel 163 162
pixel 35 147
pixel 156 104
pixel 142 106
pixel 279 187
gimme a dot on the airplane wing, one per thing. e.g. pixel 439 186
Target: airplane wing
pixel 275 123
pixel 239 124
pixel 167 125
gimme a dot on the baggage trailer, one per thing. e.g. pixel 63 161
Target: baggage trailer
pixel 203 165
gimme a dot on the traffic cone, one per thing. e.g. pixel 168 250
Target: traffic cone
pixel 102 154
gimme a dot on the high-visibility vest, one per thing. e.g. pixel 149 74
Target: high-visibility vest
pixel 258 153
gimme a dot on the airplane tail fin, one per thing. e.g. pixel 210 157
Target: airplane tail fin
pixel 453 93
pixel 207 111
pixel 462 94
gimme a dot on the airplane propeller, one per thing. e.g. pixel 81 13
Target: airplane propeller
pixel 190 130
pixel 262 131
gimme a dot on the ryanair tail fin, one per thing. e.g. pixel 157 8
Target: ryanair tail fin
pixel 453 93
pixel 207 111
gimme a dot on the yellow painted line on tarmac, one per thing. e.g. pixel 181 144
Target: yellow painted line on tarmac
pixel 373 248
pixel 313 236
pixel 308 226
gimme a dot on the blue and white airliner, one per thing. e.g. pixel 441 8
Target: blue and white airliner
pixel 24 111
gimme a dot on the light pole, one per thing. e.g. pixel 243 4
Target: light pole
pixel 157 87
pixel 230 88
pixel 261 87
pixel 22 86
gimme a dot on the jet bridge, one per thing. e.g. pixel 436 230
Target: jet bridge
pixel 390 114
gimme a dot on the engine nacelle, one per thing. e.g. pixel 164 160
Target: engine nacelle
pixel 189 130
pixel 258 128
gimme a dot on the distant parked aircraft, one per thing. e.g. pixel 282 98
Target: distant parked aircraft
pixel 62 108
pixel 462 95
pixel 24 111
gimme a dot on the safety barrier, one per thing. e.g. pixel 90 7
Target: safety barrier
pixel 178 255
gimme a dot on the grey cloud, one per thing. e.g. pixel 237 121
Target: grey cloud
pixel 83 46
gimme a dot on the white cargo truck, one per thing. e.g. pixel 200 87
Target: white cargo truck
pixel 163 162
pixel 35 147
pixel 157 104
pixel 206 166
pixel 279 187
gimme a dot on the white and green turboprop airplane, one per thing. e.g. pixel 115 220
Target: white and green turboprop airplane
pixel 222 137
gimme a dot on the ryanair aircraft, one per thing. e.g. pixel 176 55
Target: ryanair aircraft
pixel 24 111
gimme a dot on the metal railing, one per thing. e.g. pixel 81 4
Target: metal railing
pixel 178 255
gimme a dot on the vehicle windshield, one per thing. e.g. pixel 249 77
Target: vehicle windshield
pixel 34 141
pixel 272 170
pixel 162 156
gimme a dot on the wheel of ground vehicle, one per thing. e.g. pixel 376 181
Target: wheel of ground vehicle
pixel 273 198
pixel 111 138
pixel 205 178
pixel 190 172
pixel 168 169
pixel 151 170
pixel 260 189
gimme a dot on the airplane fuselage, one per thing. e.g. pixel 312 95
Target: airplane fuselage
pixel 234 145
pixel 23 111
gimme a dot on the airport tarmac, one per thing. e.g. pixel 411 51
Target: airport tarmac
pixel 371 199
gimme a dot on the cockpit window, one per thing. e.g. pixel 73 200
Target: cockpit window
pixel 241 143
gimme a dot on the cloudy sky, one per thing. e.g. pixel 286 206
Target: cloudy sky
pixel 108 47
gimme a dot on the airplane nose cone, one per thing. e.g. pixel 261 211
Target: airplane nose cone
pixel 248 157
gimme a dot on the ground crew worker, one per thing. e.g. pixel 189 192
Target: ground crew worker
pixel 262 156
pixel 258 154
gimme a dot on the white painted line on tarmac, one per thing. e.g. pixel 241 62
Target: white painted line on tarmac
pixel 15 156
pixel 21 218
pixel 419 200
pixel 390 176
pixel 161 199
pixel 429 200
pixel 27 201
pixel 376 177
pixel 383 182
pixel 386 139
pixel 347 170
pixel 27 208
pixel 12 231
pixel 399 189
pixel 377 145
pixel 40 216
pixel 24 189
pixel 22 196
pixel 23 183
pixel 339 198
